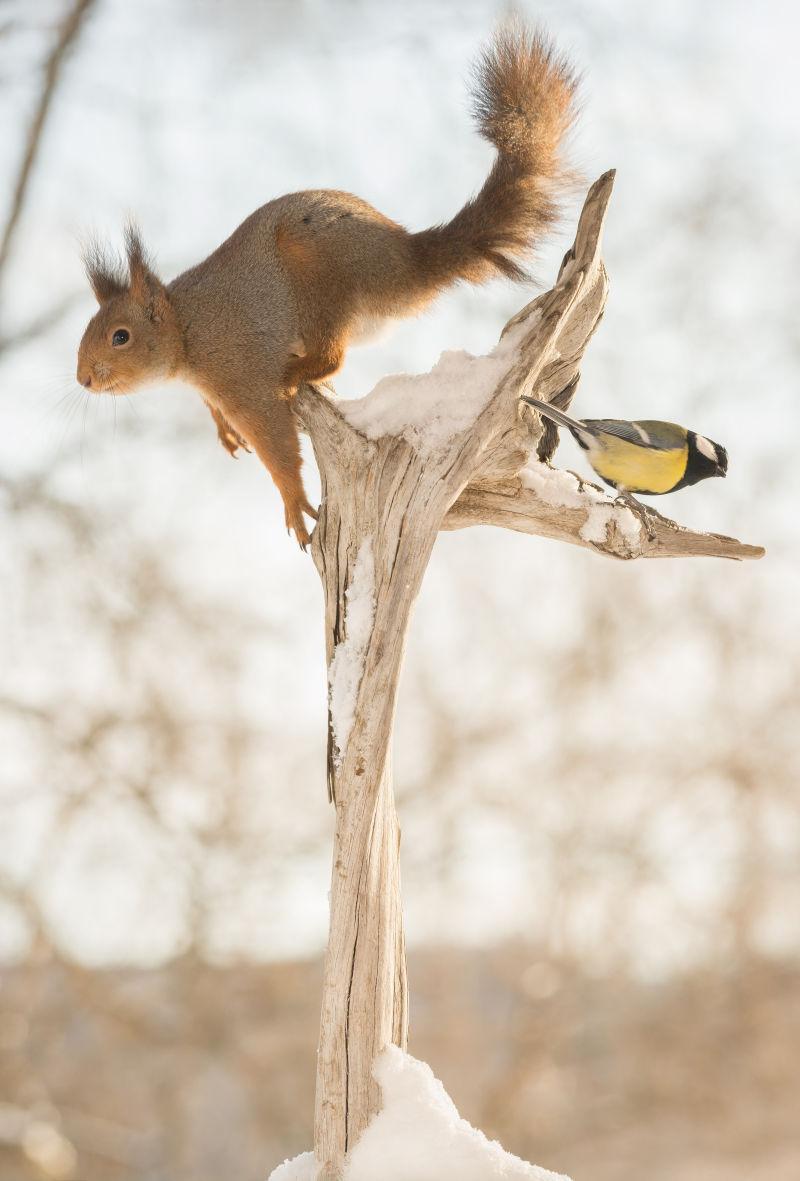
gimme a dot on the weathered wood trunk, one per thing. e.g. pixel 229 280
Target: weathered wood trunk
pixel 385 500
pixel 365 1000
pixel 368 494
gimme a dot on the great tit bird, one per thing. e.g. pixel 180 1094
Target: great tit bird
pixel 645 457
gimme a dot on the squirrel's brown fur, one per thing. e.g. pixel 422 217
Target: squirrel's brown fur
pixel 280 301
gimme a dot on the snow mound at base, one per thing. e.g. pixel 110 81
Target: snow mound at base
pixel 419 1136
pixel 302 1168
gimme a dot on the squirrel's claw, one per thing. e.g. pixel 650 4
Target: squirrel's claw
pixel 231 441
pixel 295 524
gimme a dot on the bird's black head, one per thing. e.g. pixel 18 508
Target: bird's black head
pixel 706 458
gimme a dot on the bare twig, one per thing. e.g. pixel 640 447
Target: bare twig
pixel 67 34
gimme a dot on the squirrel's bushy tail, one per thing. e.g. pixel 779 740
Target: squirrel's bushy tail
pixel 524 101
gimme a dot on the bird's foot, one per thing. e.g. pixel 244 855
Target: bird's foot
pixel 641 511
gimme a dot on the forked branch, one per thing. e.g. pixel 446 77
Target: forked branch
pixel 493 466
pixel 419 454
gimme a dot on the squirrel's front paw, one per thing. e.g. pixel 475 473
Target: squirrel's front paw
pixel 232 442
pixel 230 439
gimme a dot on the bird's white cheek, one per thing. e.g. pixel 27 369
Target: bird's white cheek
pixel 706 447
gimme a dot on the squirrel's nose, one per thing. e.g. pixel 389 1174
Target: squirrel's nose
pixel 85 380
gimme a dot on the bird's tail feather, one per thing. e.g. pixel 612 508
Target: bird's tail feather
pixel 559 416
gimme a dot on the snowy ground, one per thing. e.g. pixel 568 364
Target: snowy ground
pixel 419 1136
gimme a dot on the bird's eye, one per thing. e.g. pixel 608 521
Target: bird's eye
pixel 121 336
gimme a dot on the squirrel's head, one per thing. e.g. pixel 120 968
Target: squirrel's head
pixel 134 337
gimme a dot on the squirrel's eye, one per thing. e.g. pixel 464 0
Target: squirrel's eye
pixel 121 336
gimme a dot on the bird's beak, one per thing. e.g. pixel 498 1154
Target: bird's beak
pixel 721 472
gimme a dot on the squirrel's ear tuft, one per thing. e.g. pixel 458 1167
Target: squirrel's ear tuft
pixel 145 285
pixel 138 260
pixel 104 271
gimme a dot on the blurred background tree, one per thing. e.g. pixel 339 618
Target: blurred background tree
pixel 601 846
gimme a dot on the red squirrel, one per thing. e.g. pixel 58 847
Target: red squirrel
pixel 278 303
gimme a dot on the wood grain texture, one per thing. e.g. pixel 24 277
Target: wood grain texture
pixel 384 490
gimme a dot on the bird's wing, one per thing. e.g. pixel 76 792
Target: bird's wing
pixel 662 436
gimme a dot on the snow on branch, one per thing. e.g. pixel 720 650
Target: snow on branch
pixel 347 666
pixel 473 439
pixel 548 502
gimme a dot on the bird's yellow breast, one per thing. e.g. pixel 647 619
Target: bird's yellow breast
pixel 638 469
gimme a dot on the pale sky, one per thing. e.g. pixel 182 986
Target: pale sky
pixel 189 115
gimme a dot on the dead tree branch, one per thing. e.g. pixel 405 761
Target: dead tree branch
pixel 583 514
pixel 449 449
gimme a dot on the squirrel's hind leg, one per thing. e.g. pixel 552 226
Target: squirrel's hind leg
pixel 322 359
